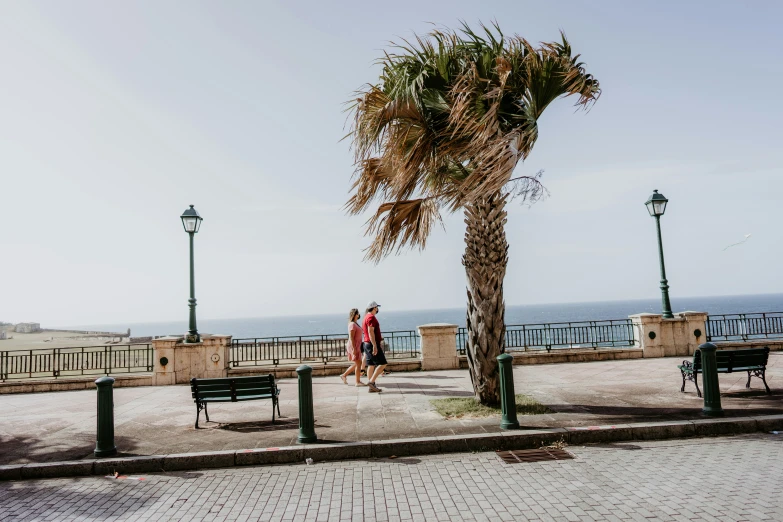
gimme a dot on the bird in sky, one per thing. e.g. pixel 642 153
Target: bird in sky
pixel 747 236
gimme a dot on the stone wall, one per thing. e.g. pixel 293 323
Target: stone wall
pixel 176 362
pixel 679 336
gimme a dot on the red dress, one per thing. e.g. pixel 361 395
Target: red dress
pixel 354 351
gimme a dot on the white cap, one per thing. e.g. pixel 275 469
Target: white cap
pixel 372 304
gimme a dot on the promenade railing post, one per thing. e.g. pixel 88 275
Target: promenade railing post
pixel 709 366
pixel 306 416
pixel 508 403
pixel 104 445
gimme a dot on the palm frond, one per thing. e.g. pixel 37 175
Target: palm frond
pixel 400 224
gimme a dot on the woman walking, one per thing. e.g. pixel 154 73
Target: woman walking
pixel 354 348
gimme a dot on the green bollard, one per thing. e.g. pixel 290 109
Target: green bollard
pixel 709 368
pixel 508 402
pixel 104 446
pixel 306 418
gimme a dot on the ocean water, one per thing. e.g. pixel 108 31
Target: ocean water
pixel 396 320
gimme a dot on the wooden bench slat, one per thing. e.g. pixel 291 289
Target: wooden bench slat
pixel 239 384
pixel 238 399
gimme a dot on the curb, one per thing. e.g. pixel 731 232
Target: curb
pixel 506 440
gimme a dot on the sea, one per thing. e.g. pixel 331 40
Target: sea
pixel 402 320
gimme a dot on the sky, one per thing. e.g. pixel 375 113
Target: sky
pixel 115 116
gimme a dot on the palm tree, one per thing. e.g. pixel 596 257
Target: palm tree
pixel 443 129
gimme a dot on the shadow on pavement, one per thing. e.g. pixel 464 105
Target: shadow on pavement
pixel 260 426
pixel 621 414
pixel 121 497
pixel 76 447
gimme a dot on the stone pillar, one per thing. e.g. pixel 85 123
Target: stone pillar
pixel 177 362
pixel 439 346
pixel 660 337
pixel 695 331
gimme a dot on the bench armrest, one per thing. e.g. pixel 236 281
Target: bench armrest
pixel 688 365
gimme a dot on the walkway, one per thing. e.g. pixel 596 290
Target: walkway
pixel 56 426
pixel 737 478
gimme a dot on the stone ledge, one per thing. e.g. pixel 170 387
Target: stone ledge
pixel 505 440
pixel 74 468
pixel 594 434
pixel 125 465
pixel 570 355
pixel 775 345
pixel 71 383
pixel 260 456
pixel 405 447
pixel 287 371
pixel 206 459
pixel 11 472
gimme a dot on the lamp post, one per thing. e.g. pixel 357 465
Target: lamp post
pixel 656 205
pixel 192 222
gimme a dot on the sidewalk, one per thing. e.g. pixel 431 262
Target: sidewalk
pixel 59 426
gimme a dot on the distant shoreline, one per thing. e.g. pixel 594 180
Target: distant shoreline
pixel 422 311
pixel 406 320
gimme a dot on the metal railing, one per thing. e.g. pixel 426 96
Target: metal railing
pixel 610 333
pixel 262 351
pixel 745 327
pixel 75 361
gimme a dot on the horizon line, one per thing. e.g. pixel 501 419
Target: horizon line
pixel 130 324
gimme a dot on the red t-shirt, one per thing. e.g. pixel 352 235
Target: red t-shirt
pixel 371 320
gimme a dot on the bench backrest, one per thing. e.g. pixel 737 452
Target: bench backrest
pixel 730 359
pixel 233 388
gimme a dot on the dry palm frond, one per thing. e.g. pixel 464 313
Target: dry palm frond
pixel 400 224
pixel 372 180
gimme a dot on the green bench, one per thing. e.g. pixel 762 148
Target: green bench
pixel 751 360
pixel 234 389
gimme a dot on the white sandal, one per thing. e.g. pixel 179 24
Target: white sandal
pixel 344 378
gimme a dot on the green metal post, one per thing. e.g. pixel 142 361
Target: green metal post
pixel 709 368
pixel 667 306
pixel 508 403
pixel 104 446
pixel 193 336
pixel 306 417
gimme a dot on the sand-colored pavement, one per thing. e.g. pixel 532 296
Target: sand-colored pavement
pixel 56 426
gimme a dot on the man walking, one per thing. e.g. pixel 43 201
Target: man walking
pixel 371 337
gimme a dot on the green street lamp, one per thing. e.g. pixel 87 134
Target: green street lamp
pixel 192 222
pixel 656 205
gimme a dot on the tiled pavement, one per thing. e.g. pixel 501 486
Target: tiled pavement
pixel 728 479
pixel 54 426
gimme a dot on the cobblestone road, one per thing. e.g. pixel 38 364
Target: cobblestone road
pixel 737 478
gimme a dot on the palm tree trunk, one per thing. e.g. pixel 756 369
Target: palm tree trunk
pixel 485 260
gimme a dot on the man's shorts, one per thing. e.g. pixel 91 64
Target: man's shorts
pixel 373 360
